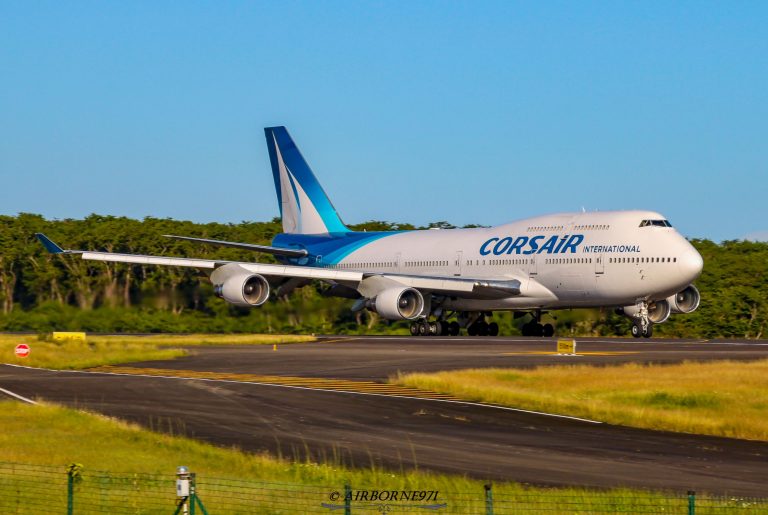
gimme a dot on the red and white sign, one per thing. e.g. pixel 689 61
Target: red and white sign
pixel 22 350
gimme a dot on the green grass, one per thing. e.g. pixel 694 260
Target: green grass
pixel 110 350
pixel 54 436
pixel 723 398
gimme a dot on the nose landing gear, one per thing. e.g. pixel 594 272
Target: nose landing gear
pixel 641 323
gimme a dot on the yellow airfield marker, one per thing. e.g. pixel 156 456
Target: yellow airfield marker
pixel 566 347
pixel 274 347
pixel 61 336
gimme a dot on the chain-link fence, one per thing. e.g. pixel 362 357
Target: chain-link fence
pixel 73 489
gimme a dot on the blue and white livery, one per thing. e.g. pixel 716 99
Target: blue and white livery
pixel 447 279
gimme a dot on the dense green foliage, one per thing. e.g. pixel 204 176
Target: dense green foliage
pixel 42 292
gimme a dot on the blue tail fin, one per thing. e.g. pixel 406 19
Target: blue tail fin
pixel 304 206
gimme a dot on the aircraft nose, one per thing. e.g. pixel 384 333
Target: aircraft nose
pixel 690 263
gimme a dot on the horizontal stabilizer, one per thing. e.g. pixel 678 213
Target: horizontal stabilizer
pixel 50 246
pixel 245 246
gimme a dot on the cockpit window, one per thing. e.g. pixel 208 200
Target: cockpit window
pixel 655 223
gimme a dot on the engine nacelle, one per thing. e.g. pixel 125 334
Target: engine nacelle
pixel 398 303
pixel 244 289
pixel 658 312
pixel 685 301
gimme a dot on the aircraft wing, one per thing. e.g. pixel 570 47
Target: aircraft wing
pixel 245 246
pixel 365 282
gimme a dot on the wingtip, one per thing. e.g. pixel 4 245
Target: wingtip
pixel 49 245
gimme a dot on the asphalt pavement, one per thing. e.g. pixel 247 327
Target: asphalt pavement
pixel 253 397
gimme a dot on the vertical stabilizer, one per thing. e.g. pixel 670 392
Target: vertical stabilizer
pixel 304 206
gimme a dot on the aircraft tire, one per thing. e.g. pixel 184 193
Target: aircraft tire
pixel 648 331
pixel 493 329
pixel 482 329
pixel 636 331
pixel 454 328
pixel 414 328
pixel 423 328
pixel 549 330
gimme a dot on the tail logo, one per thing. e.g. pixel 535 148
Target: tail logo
pixel 304 206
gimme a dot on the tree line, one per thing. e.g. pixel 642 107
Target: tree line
pixel 43 292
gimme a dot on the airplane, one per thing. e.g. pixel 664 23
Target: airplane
pixel 446 280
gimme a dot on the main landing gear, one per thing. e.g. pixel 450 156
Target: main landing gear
pixel 483 328
pixel 475 324
pixel 536 328
pixel 423 327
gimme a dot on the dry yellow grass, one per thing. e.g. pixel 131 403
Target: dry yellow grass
pixel 723 398
pixel 55 436
pixel 109 350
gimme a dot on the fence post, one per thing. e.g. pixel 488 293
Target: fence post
pixel 488 499
pixel 347 499
pixel 73 475
pixel 691 502
pixel 70 492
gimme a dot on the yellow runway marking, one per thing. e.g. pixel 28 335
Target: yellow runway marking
pixel 545 353
pixel 319 383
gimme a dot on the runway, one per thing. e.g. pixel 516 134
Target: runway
pixel 327 400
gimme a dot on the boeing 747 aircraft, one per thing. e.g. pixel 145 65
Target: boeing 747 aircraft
pixel 445 280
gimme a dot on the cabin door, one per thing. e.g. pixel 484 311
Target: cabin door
pixel 600 264
pixel 457 264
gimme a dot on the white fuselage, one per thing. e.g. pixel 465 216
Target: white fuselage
pixel 581 259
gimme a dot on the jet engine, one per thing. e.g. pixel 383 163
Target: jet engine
pixel 658 312
pixel 685 301
pixel 246 290
pixel 398 303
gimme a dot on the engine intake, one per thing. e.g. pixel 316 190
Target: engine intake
pixel 658 312
pixel 398 303
pixel 247 290
pixel 685 301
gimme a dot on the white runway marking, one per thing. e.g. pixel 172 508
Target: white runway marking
pixel 17 396
pixel 463 403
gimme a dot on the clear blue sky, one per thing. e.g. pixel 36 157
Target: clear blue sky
pixel 471 112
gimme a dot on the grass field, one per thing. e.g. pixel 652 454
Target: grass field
pixel 722 398
pixel 56 436
pixel 110 350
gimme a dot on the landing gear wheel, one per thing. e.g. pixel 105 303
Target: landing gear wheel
pixel 472 330
pixel 549 330
pixel 526 329
pixel 482 328
pixel 493 329
pixel 648 331
pixel 434 328
pixel 636 331
pixel 442 328
pixel 414 328
pixel 454 328
pixel 423 328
